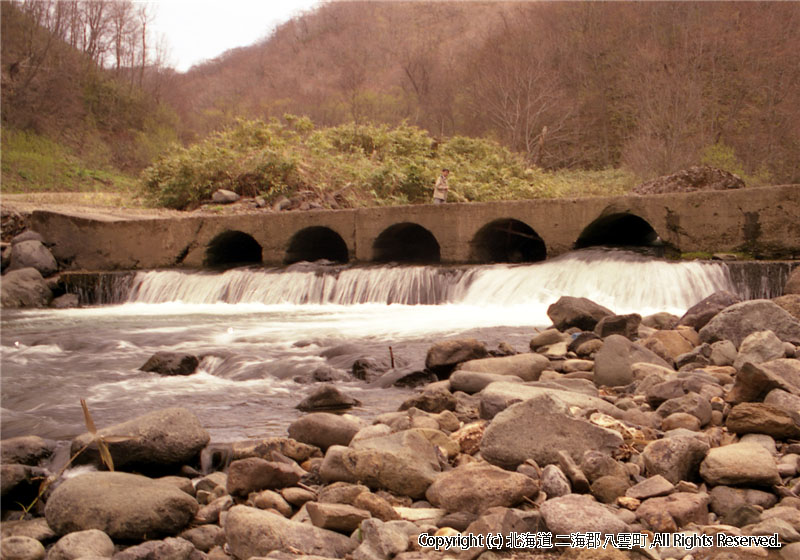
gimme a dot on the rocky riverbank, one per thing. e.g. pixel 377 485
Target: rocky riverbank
pixel 616 436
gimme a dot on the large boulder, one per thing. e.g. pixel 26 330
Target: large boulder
pixel 475 487
pixel 528 366
pixel 122 505
pixel 33 254
pixel 24 288
pixel 571 311
pixel 252 532
pixel 538 429
pixel 155 441
pixel 612 364
pixel 698 315
pixel 734 323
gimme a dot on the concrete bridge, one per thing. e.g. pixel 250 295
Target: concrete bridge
pixel 764 222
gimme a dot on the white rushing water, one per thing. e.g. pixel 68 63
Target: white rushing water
pixel 264 333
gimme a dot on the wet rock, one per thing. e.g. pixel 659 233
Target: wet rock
pixel 623 325
pixel 167 549
pixel 324 429
pixel 762 418
pixel 528 366
pixel 612 364
pixel 67 301
pixel 740 463
pixel 25 450
pixel 155 441
pixel 443 357
pixel 254 474
pixel 336 517
pixel 537 429
pixel 253 532
pixel 32 254
pixel 734 323
pixel 579 513
pixel 171 363
pixel 24 288
pixel 582 313
pixel 475 487
pixel 21 548
pixel 759 347
pixel 327 397
pixel 698 315
pixel 124 506
pixel 91 542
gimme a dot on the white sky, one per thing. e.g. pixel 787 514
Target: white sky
pixel 198 30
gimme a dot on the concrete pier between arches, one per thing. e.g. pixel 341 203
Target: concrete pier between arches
pixel 763 222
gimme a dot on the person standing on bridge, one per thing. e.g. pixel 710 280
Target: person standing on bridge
pixel 440 190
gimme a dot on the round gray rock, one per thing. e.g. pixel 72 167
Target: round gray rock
pixel 124 506
pixel 33 254
pixel 91 542
pixel 21 548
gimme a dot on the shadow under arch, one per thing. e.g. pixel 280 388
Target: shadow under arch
pixel 232 248
pixel 507 241
pixel 315 243
pixel 620 229
pixel 406 243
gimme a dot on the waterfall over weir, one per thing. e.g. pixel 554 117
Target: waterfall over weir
pixel 621 280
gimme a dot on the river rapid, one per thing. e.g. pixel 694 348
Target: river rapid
pixel 262 334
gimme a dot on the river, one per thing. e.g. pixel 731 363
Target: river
pixel 263 333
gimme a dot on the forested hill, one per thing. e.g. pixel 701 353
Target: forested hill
pixel 651 86
pixel 648 87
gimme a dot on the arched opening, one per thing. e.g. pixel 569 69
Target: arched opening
pixel 507 241
pixel 618 230
pixel 406 243
pixel 315 243
pixel 232 248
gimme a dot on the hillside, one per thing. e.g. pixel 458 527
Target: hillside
pixel 582 92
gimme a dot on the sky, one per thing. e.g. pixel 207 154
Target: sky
pixel 198 30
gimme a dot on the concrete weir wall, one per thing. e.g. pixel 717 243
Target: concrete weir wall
pixel 764 222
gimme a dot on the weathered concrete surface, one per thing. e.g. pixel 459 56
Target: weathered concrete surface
pixel 762 221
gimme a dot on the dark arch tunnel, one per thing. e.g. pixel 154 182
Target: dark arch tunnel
pixel 406 243
pixel 618 230
pixel 507 241
pixel 315 243
pixel 232 248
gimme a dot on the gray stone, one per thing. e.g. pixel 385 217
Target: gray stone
pixel 324 429
pixel 698 315
pixel 21 548
pixel 224 196
pixel 579 513
pixel 652 487
pixel 607 489
pixel 67 301
pixel 546 338
pixel 171 363
pixel 554 482
pixel 759 347
pixel 675 458
pixel 682 507
pixel 24 288
pixel 754 381
pixel 269 499
pixel 266 447
pixel 205 537
pixel 25 450
pixel 740 463
pixel 91 542
pixel 723 353
pixel 32 254
pixel 725 499
pixel 612 364
pixel 471 382
pixel 762 418
pixel 36 528
pixel 384 540
pixel 254 474
pixel 124 506
pixel 253 532
pixel 783 400
pixel 167 549
pixel 596 464
pixel 528 366
pixel 343 518
pixel 327 397
pixel 739 320
pixel 475 487
pixel 691 403
pixel 582 313
pixel 538 429
pixel 792 285
pixel 159 439
pixel 624 325
pixel 444 356
pixel 498 396
pixel 435 398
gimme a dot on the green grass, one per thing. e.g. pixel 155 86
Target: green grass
pixel 31 162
